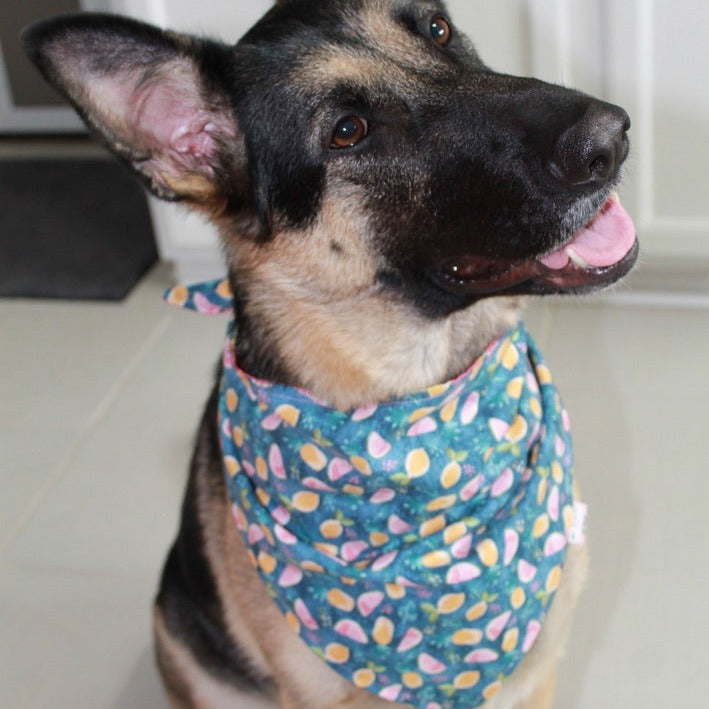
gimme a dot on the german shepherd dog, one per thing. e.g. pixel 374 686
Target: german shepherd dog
pixel 384 200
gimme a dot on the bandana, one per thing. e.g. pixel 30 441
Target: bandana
pixel 415 545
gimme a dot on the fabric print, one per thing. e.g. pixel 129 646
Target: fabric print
pixel 415 545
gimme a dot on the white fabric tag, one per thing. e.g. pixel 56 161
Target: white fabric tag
pixel 577 533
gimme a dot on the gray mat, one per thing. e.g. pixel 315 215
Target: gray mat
pixel 77 229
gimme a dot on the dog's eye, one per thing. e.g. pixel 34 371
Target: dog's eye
pixel 349 131
pixel 440 30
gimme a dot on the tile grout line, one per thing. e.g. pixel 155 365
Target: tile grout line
pixel 87 429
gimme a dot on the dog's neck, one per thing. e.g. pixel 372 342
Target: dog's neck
pixel 359 349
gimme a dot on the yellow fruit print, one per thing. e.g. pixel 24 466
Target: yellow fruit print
pixel 488 552
pixel 306 501
pixel 289 414
pixel 515 387
pixel 448 411
pixel 339 599
pixel 263 497
pixel 395 591
pixel 383 631
pixel 433 525
pixel 542 491
pixel 420 414
pixel 331 529
pixel 541 526
pixel 337 653
pixel 261 468
pixel 492 689
pixel 178 295
pixel 412 680
pixel 467 636
pixel 535 407
pixel 436 559
pixel 361 464
pixel 451 475
pixel 557 472
pixel 518 430
pixel 363 678
pixel 266 562
pixel 378 539
pixel 231 465
pixel 442 503
pixel 510 356
pixel 293 621
pixel 313 456
pixel 232 400
pixel 543 374
pixel 454 532
pixel 237 436
pixel 477 611
pixel 466 680
pixel 417 463
pixel 450 602
pixel 510 640
pixel 517 598
pixel 553 579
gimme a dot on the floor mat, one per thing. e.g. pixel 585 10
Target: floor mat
pixel 76 229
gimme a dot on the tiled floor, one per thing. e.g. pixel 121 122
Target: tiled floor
pixel 97 409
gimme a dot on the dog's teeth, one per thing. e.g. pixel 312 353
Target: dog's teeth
pixel 577 260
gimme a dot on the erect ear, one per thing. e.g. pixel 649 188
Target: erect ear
pixel 158 99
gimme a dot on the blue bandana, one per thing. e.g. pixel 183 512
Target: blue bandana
pixel 415 545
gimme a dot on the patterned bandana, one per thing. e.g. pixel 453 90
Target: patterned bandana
pixel 415 545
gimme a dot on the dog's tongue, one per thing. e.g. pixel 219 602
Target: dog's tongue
pixel 603 242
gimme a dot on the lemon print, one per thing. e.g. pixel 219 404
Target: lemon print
pixel 288 413
pixel 355 490
pixel 412 680
pixel 488 553
pixel 224 290
pixel 448 411
pixel 517 598
pixel 178 295
pixel 553 579
pixel 442 503
pixel 510 640
pixel 436 559
pixel 568 514
pixel 450 475
pixel 313 457
pixel 467 636
pixel 510 357
pixel 417 463
pixel 306 501
pixel 361 464
pixel 383 631
pixel 420 414
pixel 515 387
pixel 395 591
pixel 363 678
pixel 293 621
pixel 542 491
pixel 339 599
pixel 541 526
pixel 378 539
pixel 450 603
pixel 261 468
pixel 492 689
pixel 327 549
pixel 543 374
pixel 237 436
pixel 477 611
pixel 331 529
pixel 437 390
pixel 455 532
pixel 232 400
pixel 263 497
pixel 231 465
pixel 557 472
pixel 266 562
pixel 466 680
pixel 518 430
pixel 337 653
pixel 433 525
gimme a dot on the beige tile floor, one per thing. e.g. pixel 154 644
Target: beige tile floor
pixel 98 403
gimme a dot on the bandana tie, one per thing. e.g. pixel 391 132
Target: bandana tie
pixel 415 544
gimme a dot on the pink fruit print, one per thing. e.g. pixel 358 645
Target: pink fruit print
pixel 291 576
pixel 385 560
pixel 281 515
pixel 511 546
pixel 204 305
pixel 430 665
pixel 411 639
pixel 275 462
pixel 396 525
pixel 315 484
pixel 369 601
pixel 422 427
pixel 382 495
pixel 472 488
pixel 462 572
pixel 460 549
pixel 255 534
pixel 530 637
pixel 338 468
pixel 498 427
pixel 352 630
pixel 351 550
pixel 553 503
pixel 470 409
pixel 271 422
pixel 497 625
pixel 481 656
pixel 284 535
pixel 364 412
pixel 301 610
pixel 377 447
pixel 526 571
pixel 559 446
pixel 391 693
pixel 554 544
pixel 503 483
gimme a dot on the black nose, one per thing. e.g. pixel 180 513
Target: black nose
pixel 589 153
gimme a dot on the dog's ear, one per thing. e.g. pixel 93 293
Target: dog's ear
pixel 158 99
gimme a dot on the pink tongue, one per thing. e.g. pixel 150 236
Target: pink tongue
pixel 604 242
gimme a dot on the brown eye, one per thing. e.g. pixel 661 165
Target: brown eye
pixel 440 30
pixel 349 131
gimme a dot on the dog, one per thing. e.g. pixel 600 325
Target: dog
pixel 385 201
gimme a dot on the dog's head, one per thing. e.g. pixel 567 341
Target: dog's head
pixel 374 119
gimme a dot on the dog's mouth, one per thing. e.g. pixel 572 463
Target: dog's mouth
pixel 598 254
